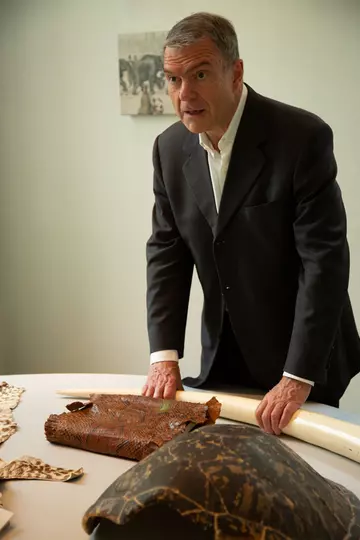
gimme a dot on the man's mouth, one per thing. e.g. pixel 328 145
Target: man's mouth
pixel 194 112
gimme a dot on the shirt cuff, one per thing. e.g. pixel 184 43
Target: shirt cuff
pixel 164 356
pixel 298 378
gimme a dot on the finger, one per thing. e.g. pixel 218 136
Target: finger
pixel 266 418
pixel 275 417
pixel 144 390
pixel 159 391
pixel 150 391
pixel 259 412
pixel 287 414
pixel 170 389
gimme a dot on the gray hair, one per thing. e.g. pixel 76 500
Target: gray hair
pixel 201 25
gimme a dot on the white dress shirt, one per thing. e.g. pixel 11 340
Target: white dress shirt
pixel 218 165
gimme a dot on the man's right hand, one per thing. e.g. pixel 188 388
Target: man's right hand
pixel 163 380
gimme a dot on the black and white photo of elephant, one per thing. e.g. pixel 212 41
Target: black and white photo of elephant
pixel 142 81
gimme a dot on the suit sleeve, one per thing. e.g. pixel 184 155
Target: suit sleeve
pixel 320 238
pixel 169 272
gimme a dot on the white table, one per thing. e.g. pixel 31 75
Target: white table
pixel 53 510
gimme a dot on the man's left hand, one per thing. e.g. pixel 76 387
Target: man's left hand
pixel 278 406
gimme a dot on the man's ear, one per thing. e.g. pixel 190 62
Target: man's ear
pixel 238 71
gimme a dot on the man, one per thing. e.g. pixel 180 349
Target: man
pixel 245 190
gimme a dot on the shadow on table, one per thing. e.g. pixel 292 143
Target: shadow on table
pixel 153 524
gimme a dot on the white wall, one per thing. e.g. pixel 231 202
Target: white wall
pixel 76 177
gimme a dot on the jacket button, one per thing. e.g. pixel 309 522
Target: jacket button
pixel 227 288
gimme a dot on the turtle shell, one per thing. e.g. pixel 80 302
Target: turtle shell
pixel 227 482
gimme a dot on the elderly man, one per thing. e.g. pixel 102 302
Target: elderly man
pixel 246 192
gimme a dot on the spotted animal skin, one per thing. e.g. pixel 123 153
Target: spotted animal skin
pixel 25 467
pixel 9 399
pixel 31 468
pixel 230 482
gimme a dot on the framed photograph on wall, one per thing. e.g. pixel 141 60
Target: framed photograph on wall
pixel 142 84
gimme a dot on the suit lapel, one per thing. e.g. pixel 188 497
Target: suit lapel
pixel 243 172
pixel 246 163
pixel 196 171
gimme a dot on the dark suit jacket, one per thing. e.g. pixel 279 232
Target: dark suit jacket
pixel 276 254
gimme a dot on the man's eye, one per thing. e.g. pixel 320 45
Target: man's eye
pixel 201 75
pixel 172 79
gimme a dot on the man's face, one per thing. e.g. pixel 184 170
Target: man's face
pixel 203 90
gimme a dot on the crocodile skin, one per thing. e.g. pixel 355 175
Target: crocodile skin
pixel 127 426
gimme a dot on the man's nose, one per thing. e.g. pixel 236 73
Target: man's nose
pixel 186 91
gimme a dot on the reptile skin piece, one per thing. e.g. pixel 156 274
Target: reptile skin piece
pixel 224 482
pixel 127 426
pixel 9 399
pixel 32 468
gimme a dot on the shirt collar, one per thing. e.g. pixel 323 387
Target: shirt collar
pixel 228 138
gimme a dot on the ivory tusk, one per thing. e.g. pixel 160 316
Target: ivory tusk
pixel 332 434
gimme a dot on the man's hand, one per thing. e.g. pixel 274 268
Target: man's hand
pixel 163 380
pixel 278 406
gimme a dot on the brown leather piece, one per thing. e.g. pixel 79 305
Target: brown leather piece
pixel 127 426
